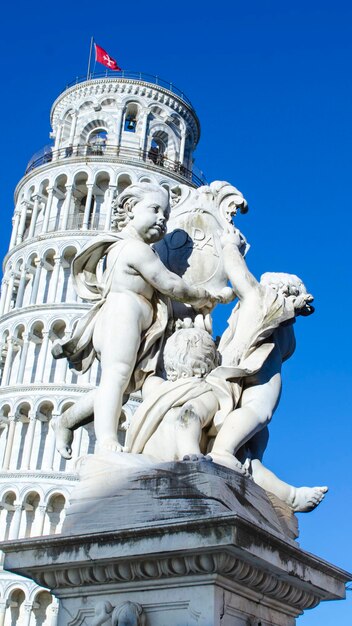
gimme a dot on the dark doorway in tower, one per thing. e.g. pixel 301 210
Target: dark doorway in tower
pixel 158 146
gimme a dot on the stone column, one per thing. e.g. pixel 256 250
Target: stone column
pixel 21 287
pixel 15 225
pixel 54 282
pixel 87 207
pixel 182 146
pixel 67 206
pixel 110 195
pixel 24 352
pixel 28 445
pixel 4 288
pixel 58 135
pixel 42 357
pixel 54 609
pixel 143 137
pixel 48 209
pixel 27 614
pixel 9 293
pixel 16 521
pixel 49 452
pixel 3 605
pixel 39 527
pixel 11 344
pixel 73 128
pixel 36 281
pixel 34 217
pixel 9 441
pixel 118 124
pixel 24 206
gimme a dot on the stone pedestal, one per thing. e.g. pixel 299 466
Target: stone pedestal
pixel 181 544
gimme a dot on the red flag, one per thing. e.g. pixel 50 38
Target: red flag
pixel 103 57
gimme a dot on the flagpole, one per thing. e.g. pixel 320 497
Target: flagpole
pixel 90 57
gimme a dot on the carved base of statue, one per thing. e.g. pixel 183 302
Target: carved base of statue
pixel 118 486
pixel 185 543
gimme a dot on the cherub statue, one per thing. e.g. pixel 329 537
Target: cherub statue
pixel 180 417
pixel 124 327
pixel 259 338
pixel 175 413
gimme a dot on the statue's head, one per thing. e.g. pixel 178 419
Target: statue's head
pixel 287 284
pixel 145 207
pixel 190 352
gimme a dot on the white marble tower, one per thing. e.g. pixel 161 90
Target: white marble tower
pixel 107 132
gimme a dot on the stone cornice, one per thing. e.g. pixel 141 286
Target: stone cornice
pixel 74 306
pixel 232 548
pixel 65 388
pixel 40 475
pixel 52 235
pixel 115 160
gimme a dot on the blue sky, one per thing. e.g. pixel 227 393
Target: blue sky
pixel 271 83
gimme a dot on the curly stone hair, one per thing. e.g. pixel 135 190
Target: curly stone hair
pixel 288 284
pixel 128 198
pixel 190 352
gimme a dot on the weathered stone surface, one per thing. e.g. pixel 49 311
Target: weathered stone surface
pixel 170 491
pixel 183 544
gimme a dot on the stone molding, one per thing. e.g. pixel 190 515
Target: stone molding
pixel 28 389
pixel 49 167
pixel 224 548
pixel 50 235
pixel 212 563
pixel 57 306
pixel 42 475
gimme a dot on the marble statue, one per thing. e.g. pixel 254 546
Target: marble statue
pixel 168 425
pixel 130 315
pixel 150 327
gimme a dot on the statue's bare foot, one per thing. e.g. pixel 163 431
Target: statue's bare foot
pixel 197 457
pixel 63 437
pixel 229 460
pixel 306 499
pixel 109 443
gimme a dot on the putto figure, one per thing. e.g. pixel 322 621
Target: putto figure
pixel 259 338
pixel 124 328
pixel 169 423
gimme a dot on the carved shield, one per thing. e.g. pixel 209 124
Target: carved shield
pixel 199 217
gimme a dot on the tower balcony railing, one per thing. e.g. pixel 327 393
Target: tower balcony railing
pixel 145 78
pixel 101 151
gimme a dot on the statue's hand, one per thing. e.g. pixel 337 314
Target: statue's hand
pixel 226 295
pixel 205 302
pixel 233 237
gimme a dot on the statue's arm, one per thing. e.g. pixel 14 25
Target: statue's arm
pixel 148 264
pixel 249 292
pixel 242 280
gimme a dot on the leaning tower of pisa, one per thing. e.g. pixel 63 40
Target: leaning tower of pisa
pixel 107 132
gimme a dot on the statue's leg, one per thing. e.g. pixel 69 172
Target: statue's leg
pixel 258 403
pixel 76 415
pixel 300 499
pixel 116 339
